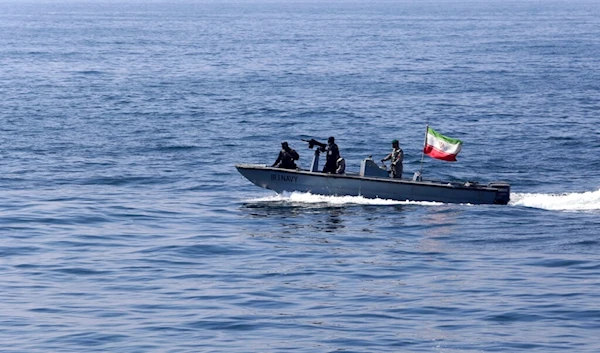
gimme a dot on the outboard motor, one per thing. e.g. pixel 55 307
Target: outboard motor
pixel 503 193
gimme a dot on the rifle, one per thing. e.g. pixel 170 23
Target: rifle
pixel 313 142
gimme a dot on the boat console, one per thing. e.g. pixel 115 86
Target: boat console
pixel 368 168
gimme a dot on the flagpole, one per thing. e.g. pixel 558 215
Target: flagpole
pixel 423 151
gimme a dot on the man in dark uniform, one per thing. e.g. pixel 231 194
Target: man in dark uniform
pixel 286 157
pixel 333 154
pixel 396 156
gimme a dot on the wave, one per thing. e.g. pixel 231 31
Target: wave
pixel 585 201
pixel 312 199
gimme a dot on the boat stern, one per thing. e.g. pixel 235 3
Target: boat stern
pixel 502 193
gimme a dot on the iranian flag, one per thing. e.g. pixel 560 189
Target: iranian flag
pixel 441 147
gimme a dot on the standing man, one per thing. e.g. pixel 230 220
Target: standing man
pixel 397 156
pixel 286 157
pixel 333 154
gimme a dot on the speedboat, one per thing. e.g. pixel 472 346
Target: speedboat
pixel 373 181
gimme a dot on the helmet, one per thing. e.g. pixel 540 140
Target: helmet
pixel 394 142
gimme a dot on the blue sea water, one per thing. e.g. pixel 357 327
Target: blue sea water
pixel 124 226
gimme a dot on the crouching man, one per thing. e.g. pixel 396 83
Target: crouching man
pixel 287 157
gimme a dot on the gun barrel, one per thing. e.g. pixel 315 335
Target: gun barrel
pixel 313 142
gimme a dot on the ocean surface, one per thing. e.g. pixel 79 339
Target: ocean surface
pixel 124 226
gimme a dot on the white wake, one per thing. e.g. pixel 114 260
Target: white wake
pixel 585 201
pixel 308 198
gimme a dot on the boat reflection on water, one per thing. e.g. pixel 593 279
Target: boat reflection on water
pixel 307 213
pixel 291 217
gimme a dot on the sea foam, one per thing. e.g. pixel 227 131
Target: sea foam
pixel 585 201
pixel 308 198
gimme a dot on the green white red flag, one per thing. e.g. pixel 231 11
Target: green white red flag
pixel 441 147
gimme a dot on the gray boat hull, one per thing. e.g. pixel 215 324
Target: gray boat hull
pixel 281 180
